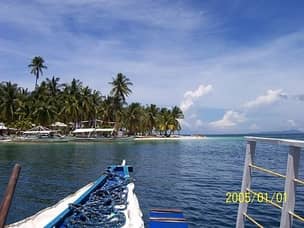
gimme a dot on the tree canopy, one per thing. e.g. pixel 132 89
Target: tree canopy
pixel 73 102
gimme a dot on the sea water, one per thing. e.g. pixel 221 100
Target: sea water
pixel 193 175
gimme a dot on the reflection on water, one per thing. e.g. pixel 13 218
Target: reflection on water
pixel 192 175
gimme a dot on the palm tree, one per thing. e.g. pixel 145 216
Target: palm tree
pixel 96 100
pixel 70 110
pixel 43 105
pixel 106 109
pixel 9 94
pixel 44 112
pixel 73 102
pixel 152 112
pixel 53 86
pixel 121 88
pixel 176 114
pixel 24 105
pixel 36 66
pixel 133 118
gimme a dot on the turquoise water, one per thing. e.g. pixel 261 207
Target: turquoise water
pixel 193 175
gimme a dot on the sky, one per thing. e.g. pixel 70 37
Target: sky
pixel 232 66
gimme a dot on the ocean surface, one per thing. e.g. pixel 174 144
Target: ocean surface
pixel 194 175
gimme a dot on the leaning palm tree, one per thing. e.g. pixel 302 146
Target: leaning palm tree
pixel 36 66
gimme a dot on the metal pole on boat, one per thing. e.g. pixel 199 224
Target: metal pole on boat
pixel 8 195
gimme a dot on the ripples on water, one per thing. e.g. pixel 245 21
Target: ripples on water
pixel 191 175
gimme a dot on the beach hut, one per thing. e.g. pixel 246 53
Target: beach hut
pixel 3 129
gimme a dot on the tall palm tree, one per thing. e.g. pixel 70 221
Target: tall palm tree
pixel 36 66
pixel 121 88
pixel 96 100
pixel 85 103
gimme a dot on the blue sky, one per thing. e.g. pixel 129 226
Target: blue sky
pixel 233 66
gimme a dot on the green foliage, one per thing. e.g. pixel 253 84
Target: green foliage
pixel 22 125
pixel 36 65
pixel 73 102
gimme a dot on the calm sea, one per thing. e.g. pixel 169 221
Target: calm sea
pixel 193 175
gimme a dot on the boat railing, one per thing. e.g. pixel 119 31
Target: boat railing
pixel 291 181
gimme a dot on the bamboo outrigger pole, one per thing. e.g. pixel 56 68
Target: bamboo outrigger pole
pixel 8 195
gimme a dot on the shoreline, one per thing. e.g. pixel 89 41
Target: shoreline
pixel 137 138
pixel 146 138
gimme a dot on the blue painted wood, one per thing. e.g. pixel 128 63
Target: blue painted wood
pixel 157 224
pixel 97 184
pixel 166 215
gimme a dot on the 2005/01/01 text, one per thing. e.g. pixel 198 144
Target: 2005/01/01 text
pixel 259 197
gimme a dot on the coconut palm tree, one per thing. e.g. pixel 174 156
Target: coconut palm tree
pixel 152 112
pixel 9 95
pixel 36 66
pixel 106 109
pixel 165 121
pixel 176 115
pixel 133 118
pixel 44 107
pixel 71 102
pixel 85 103
pixel 24 105
pixel 44 112
pixel 121 88
pixel 70 110
pixel 96 100
pixel 53 85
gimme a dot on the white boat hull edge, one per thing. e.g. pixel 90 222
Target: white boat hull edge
pixel 133 212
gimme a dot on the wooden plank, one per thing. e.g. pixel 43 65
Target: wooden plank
pixel 246 181
pixel 290 186
pixel 8 195
pixel 166 210
pixel 167 219
pixel 288 142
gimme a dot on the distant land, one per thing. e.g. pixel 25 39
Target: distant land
pixel 285 132
pixel 279 132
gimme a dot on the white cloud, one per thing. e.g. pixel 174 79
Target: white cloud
pixel 299 97
pixel 254 126
pixel 230 119
pixel 151 52
pixel 199 123
pixel 270 97
pixel 191 96
pixel 292 123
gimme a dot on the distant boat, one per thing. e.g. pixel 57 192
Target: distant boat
pixel 110 201
pixel 98 135
pixel 41 134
